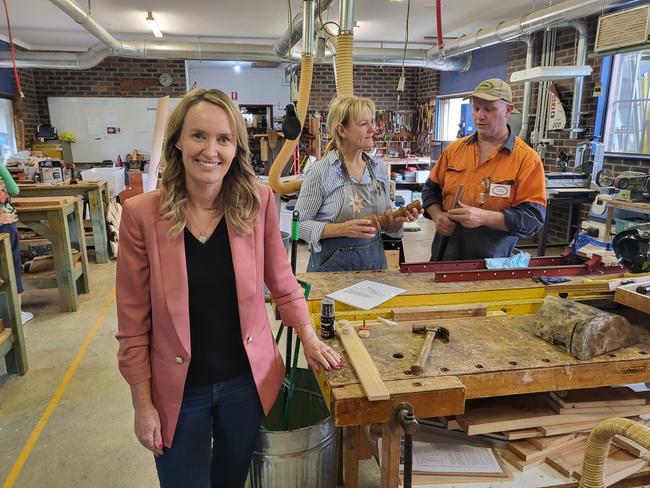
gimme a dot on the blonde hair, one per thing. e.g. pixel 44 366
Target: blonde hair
pixel 343 110
pixel 239 197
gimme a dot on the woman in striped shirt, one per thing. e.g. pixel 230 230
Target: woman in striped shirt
pixel 343 192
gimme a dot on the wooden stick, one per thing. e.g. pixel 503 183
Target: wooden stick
pixel 363 364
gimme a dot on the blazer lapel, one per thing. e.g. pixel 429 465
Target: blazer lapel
pixel 173 268
pixel 242 249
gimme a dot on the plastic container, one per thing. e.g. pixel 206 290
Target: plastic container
pixel 114 176
pixel 624 224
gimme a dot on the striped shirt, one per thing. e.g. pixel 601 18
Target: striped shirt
pixel 321 196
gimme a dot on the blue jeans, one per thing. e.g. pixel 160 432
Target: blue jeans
pixel 215 436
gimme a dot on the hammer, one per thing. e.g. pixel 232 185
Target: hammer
pixel 425 351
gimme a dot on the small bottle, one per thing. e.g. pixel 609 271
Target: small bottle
pixel 327 327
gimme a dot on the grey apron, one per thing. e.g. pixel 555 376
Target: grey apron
pixel 360 200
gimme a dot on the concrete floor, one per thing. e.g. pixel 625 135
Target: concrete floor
pixel 68 422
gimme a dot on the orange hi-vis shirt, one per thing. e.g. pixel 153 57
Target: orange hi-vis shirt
pixel 515 166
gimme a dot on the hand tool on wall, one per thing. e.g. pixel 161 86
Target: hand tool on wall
pixel 431 333
pixel 445 240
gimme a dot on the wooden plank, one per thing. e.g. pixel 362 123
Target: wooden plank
pixel 518 463
pixel 438 312
pixel 428 396
pixel 552 430
pixel 631 447
pixel 513 435
pixel 351 455
pixel 525 451
pixel 363 364
pixel 391 436
pixel 597 397
pixel 568 462
pixel 531 411
pixel 627 295
pixel 547 442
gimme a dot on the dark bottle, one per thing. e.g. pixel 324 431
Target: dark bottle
pixel 327 327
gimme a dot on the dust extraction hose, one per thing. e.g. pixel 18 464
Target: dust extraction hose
pixel 593 467
pixel 304 91
pixel 344 84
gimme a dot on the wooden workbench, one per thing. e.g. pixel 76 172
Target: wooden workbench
pixel 486 357
pixel 95 192
pixel 58 219
pixel 612 203
pixel 12 340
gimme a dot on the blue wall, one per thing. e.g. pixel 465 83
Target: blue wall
pixel 489 62
pixel 7 84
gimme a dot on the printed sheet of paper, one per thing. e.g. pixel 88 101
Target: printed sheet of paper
pixel 456 458
pixel 365 294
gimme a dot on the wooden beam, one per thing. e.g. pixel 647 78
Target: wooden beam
pixel 363 364
pixel 438 312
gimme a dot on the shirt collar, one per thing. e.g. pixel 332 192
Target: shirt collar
pixel 509 145
pixel 332 158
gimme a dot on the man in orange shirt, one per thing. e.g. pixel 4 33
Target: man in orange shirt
pixel 503 197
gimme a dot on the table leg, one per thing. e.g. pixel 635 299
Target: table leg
pixel 351 456
pixel 78 241
pixel 16 359
pixel 98 218
pixel 390 449
pixel 60 235
pixel 608 224
pixel 542 235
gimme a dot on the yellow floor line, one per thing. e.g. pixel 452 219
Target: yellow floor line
pixel 36 433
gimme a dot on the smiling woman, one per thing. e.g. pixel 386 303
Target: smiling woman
pixel 195 342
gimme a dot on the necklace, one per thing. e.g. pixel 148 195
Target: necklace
pixel 203 236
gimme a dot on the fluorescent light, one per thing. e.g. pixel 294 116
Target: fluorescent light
pixel 237 68
pixel 550 73
pixel 153 25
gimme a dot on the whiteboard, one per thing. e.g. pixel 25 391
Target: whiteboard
pixel 106 127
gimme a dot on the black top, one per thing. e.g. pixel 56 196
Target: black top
pixel 217 349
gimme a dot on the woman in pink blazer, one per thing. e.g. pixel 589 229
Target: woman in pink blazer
pixel 194 338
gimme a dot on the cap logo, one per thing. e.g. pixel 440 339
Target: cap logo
pixel 486 85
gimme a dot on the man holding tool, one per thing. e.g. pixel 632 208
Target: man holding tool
pixel 487 190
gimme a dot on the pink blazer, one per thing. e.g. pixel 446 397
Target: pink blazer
pixel 153 303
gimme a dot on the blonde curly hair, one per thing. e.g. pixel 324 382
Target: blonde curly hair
pixel 343 110
pixel 239 197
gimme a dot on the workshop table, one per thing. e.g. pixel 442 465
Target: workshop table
pixel 58 219
pixel 12 340
pixel 612 203
pixel 95 192
pixel 485 357
pixel 514 297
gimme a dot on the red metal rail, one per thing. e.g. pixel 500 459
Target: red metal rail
pixel 452 271
pixel 477 264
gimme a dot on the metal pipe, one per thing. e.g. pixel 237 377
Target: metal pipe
pixel 292 35
pixel 540 19
pixel 83 19
pixel 308 39
pixel 578 85
pixel 346 16
pixel 528 86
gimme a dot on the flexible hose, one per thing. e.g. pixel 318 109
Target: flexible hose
pixel 344 85
pixel 593 466
pixel 286 152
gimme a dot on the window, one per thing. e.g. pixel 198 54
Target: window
pixel 627 124
pixel 7 136
pixel 453 119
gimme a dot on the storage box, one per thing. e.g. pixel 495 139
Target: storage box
pixel 623 224
pixel 114 176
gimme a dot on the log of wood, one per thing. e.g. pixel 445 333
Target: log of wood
pixel 583 331
pixel 416 205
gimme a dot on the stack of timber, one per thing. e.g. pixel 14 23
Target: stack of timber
pixel 553 428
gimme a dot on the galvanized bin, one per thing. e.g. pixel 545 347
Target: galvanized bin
pixel 303 455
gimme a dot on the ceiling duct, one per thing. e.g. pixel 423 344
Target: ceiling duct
pixel 538 20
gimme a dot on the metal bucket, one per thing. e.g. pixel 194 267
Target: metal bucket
pixel 302 456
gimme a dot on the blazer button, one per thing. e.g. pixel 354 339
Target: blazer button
pixel 249 340
pixel 179 359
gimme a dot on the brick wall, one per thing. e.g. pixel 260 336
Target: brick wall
pixel 565 55
pixel 26 109
pixel 376 82
pixel 101 81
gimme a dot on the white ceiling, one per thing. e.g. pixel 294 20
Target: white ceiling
pixel 42 26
